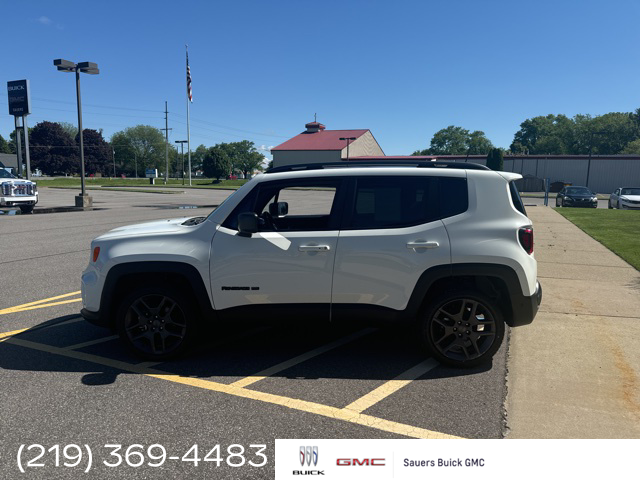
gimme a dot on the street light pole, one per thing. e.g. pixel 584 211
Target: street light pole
pixel 82 200
pixel 348 139
pixel 589 162
pixel 83 193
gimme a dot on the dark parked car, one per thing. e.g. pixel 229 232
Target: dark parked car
pixel 576 197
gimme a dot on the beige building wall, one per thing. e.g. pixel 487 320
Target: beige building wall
pixel 296 157
pixel 363 146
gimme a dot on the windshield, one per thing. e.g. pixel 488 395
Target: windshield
pixel 630 191
pixel 6 174
pixel 579 191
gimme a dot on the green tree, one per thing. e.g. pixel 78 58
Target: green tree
pixel 12 139
pixel 4 145
pixel 632 148
pixel 551 134
pixel 142 145
pixel 495 159
pixel 457 141
pixel 70 128
pixel 449 141
pixel 216 163
pixel 197 157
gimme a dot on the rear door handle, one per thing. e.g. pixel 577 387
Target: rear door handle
pixel 421 245
pixel 314 248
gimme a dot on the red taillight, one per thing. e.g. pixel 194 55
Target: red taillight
pixel 96 252
pixel 526 239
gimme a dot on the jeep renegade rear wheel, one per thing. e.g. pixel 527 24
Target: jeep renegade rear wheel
pixel 156 323
pixel 463 329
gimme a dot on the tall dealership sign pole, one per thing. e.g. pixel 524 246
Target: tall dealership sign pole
pixel 82 200
pixel 20 106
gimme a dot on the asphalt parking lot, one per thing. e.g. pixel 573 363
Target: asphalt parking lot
pixel 572 373
pixel 68 382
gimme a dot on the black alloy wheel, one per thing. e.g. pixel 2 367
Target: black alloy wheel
pixel 463 329
pixel 156 323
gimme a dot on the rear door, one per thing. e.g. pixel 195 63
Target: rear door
pixel 392 232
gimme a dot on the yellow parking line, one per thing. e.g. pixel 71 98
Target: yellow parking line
pixel 4 336
pixel 295 404
pixel 34 307
pixel 392 386
pixel 39 303
pixel 300 358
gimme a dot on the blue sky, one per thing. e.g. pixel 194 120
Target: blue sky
pixel 403 69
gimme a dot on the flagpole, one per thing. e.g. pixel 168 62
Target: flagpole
pixel 188 126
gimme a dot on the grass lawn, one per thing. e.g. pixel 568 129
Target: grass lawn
pixel 615 229
pixel 137 182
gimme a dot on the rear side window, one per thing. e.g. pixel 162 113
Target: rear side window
pixel 403 201
pixel 515 198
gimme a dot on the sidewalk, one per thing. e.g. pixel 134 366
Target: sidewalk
pixel 575 371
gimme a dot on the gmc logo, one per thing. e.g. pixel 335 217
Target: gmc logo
pixel 356 462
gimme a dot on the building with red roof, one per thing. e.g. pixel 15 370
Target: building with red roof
pixel 319 145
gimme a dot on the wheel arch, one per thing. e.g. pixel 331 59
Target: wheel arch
pixel 499 282
pixel 122 278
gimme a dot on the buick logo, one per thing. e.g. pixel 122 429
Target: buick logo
pixel 309 455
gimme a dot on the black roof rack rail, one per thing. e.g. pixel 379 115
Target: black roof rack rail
pixel 356 163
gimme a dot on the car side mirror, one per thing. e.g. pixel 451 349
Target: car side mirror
pixel 278 209
pixel 247 224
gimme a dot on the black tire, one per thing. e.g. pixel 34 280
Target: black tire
pixel 453 336
pixel 619 207
pixel 26 208
pixel 609 205
pixel 157 323
pixel 557 202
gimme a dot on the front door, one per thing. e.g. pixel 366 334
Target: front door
pixel 287 267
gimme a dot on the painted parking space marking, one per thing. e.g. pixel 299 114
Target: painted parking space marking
pixel 301 358
pixel 44 303
pixel 343 414
pixel 97 341
pixel 6 335
pixel 392 386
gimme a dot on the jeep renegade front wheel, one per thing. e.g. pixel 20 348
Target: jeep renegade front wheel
pixel 463 329
pixel 156 323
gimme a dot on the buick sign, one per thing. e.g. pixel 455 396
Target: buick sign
pixel 19 98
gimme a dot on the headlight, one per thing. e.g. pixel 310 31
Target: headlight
pixel 594 199
pixel 6 189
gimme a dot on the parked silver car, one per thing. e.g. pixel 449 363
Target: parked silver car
pixel 625 198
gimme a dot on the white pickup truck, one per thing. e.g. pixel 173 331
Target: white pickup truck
pixel 15 192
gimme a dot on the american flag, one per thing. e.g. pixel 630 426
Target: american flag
pixel 189 93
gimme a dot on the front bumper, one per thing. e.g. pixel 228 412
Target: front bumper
pixel 525 308
pixel 579 204
pixel 12 201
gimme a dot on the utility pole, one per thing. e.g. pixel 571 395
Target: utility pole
pixel 166 151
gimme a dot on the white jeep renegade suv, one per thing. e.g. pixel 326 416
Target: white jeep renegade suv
pixel 447 247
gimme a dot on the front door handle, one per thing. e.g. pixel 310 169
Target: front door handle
pixel 420 245
pixel 314 248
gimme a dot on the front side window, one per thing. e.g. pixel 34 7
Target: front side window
pixel 293 205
